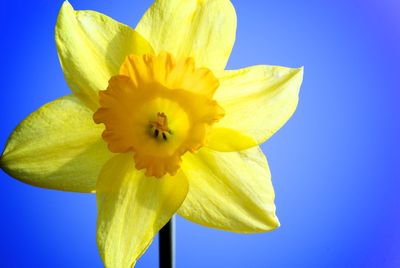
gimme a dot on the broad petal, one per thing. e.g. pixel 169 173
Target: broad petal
pixel 229 191
pixel 132 209
pixel 91 48
pixel 204 30
pixel 57 147
pixel 258 101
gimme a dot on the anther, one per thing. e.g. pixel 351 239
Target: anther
pixel 160 126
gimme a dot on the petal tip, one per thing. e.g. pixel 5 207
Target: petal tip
pixel 277 223
pixel 301 70
pixel 270 223
pixel 66 7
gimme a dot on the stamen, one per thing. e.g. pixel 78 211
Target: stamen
pixel 161 125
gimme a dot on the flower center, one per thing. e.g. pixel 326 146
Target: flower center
pixel 160 127
pixel 158 109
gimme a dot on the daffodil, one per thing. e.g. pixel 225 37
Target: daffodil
pixel 155 125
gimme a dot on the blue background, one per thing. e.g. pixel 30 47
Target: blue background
pixel 335 165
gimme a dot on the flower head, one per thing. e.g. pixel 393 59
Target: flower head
pixel 155 125
pixel 159 109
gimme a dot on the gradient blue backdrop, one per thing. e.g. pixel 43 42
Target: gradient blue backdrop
pixel 335 165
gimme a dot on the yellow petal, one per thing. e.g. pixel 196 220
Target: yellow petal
pixel 258 101
pixel 228 140
pixel 132 209
pixel 91 48
pixel 229 191
pixel 202 29
pixel 57 147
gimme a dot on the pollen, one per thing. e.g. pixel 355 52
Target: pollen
pixel 158 109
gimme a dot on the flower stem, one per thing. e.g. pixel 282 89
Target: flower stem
pixel 166 238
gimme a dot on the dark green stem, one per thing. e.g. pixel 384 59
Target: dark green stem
pixel 167 245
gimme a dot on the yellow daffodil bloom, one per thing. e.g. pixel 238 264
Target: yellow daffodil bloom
pixel 155 125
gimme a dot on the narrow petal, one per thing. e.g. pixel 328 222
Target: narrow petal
pixel 204 30
pixel 132 209
pixel 258 101
pixel 91 48
pixel 57 147
pixel 229 191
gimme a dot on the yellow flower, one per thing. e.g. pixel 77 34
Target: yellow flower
pixel 175 132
